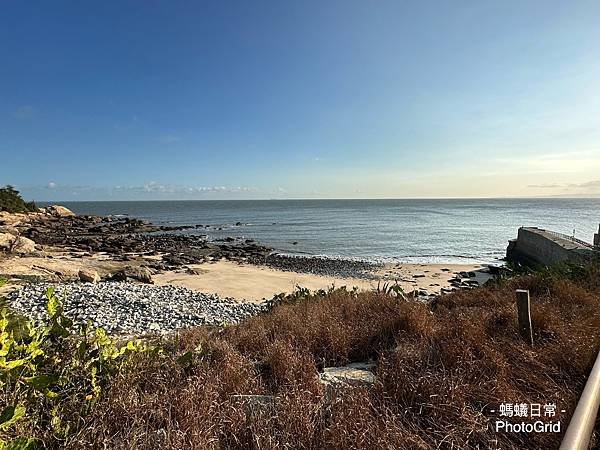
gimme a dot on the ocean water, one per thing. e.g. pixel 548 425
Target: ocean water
pixel 435 231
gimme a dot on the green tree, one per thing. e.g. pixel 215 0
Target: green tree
pixel 11 201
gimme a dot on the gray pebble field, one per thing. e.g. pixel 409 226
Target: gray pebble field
pixel 129 308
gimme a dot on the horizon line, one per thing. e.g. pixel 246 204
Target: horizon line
pixel 555 197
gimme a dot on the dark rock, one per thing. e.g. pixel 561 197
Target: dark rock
pixel 141 274
pixel 118 276
pixel 494 270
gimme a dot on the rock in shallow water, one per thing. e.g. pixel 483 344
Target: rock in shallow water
pixel 121 307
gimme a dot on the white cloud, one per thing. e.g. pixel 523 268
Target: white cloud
pixel 546 186
pixel 587 187
pixel 53 191
pixel 587 184
pixel 154 187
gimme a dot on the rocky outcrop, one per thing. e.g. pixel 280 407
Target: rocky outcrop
pixel 123 237
pixel 58 211
pixel 16 244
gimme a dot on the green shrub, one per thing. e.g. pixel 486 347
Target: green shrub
pixel 50 377
pixel 11 201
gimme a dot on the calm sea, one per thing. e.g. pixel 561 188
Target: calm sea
pixel 443 231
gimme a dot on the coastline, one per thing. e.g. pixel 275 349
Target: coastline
pixel 241 280
pixel 63 248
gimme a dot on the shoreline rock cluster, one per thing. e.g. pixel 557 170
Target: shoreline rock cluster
pixel 126 239
pixel 122 238
pixel 130 308
pixel 316 265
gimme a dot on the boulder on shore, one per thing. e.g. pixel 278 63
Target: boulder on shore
pixel 58 211
pixel 89 276
pixel 16 244
pixel 141 274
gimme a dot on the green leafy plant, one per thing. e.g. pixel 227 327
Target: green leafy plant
pixel 391 289
pixel 303 294
pixel 52 373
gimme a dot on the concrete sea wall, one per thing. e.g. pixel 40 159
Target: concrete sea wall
pixel 535 245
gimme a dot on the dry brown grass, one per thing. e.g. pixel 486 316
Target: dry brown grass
pixel 440 369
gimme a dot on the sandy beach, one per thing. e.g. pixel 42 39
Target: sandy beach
pixel 241 281
pixel 255 283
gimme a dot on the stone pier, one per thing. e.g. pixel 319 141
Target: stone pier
pixel 538 246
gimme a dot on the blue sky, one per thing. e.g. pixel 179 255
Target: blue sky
pixel 270 99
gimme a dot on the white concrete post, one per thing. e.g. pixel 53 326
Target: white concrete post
pixel 524 315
